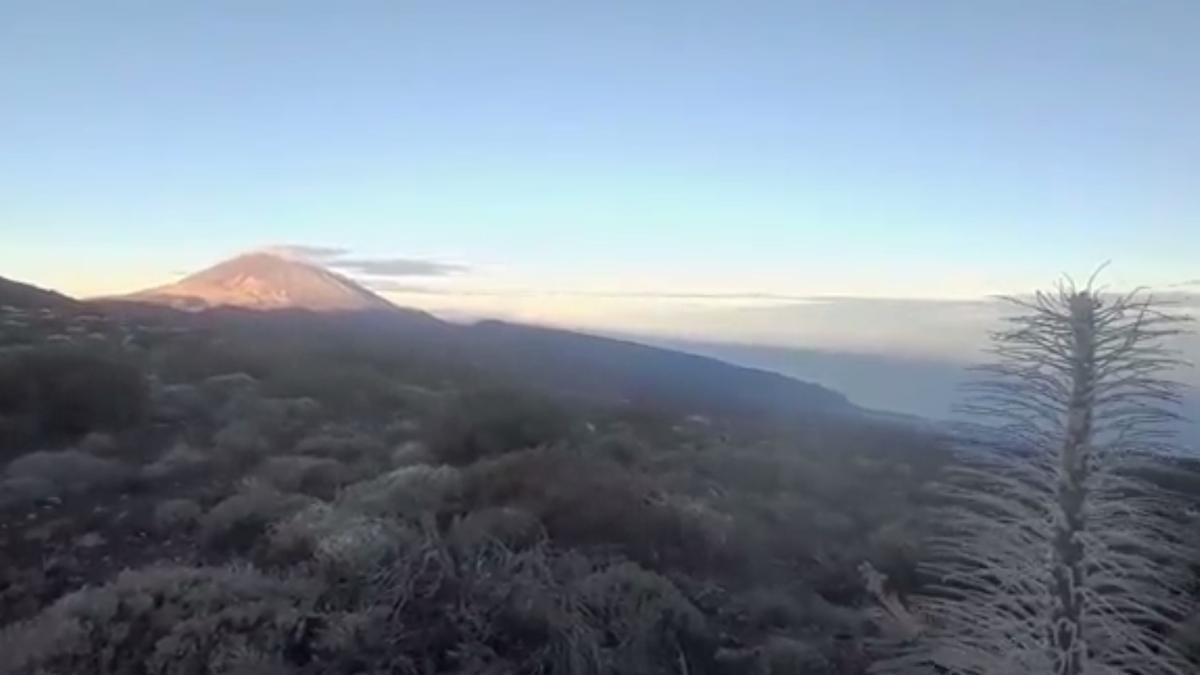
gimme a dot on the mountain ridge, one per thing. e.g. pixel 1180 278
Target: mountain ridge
pixel 264 281
pixel 298 306
pixel 28 296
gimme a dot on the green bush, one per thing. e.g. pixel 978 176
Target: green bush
pixel 165 621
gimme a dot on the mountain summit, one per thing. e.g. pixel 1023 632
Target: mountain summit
pixel 265 281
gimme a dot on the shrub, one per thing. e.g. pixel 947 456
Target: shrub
pixel 241 441
pixel 345 447
pixel 621 447
pixel 180 402
pixel 180 461
pixel 340 541
pixel 777 656
pixel 494 610
pixel 19 491
pixel 160 621
pixel 67 392
pixel 175 515
pixel 283 421
pixel 70 470
pixel 343 387
pixel 409 491
pixel 585 500
pixel 510 526
pixel 238 522
pixel 98 443
pixel 410 454
pixel 488 423
pixel 229 385
pixel 649 624
pixel 314 476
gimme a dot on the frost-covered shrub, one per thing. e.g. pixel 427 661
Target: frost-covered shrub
pixel 180 402
pixel 179 461
pixel 316 476
pixel 241 441
pixel 649 622
pixel 339 540
pixel 229 385
pixel 787 656
pixel 404 428
pixel 494 610
pixel 342 447
pixel 163 621
pixel 238 522
pixel 787 610
pixel 411 453
pixel 510 526
pixel 409 491
pixel 706 527
pixel 294 414
pixel 18 491
pixel 176 515
pixel 586 500
pixel 488 423
pixel 71 470
pixel 67 391
pixel 623 448
pixel 98 443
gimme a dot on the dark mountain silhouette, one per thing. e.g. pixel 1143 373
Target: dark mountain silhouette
pixel 25 296
pixel 265 281
pixel 311 308
pixel 643 375
pixel 559 362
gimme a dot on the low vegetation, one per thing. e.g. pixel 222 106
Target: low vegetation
pixel 184 507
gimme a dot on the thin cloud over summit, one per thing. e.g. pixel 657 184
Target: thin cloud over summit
pixel 336 258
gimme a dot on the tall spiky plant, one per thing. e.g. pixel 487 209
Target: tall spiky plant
pixel 1053 557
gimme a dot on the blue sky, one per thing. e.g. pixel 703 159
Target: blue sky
pixel 913 149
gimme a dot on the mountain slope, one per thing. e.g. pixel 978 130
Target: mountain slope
pixel 638 374
pixel 343 318
pixel 264 281
pixel 25 296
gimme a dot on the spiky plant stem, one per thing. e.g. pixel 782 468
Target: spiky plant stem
pixel 1053 558
pixel 1069 572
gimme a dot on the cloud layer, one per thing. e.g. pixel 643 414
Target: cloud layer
pixel 396 267
pixel 337 258
pixel 314 253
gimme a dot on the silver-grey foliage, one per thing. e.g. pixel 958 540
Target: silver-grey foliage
pixel 1053 557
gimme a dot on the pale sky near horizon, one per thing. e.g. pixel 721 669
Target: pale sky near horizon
pixel 612 156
